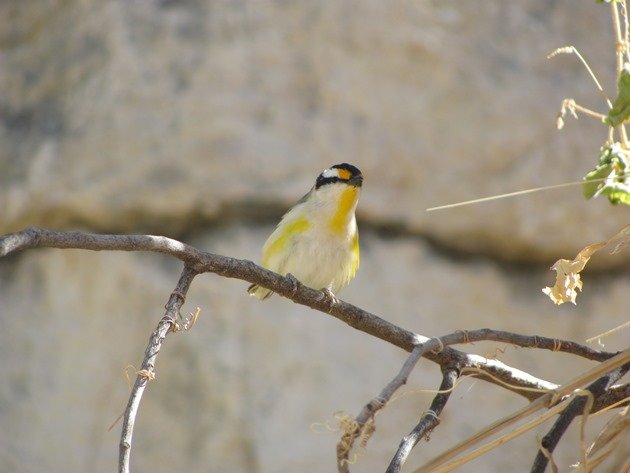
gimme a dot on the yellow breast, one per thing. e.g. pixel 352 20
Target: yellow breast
pixel 345 208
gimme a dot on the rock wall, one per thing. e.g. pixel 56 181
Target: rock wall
pixel 204 121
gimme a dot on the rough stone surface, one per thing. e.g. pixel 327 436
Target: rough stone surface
pixel 118 116
pixel 204 120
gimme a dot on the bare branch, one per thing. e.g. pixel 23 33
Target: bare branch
pixel 490 370
pixel 618 396
pixel 526 341
pixel 429 421
pixel 368 412
pixel 34 237
pixel 147 370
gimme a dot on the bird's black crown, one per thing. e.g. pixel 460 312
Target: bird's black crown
pixel 344 172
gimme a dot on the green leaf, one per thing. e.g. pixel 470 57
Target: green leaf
pixel 592 181
pixel 620 112
pixel 618 194
pixel 611 176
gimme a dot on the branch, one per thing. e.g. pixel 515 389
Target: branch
pixel 530 341
pixel 618 396
pixel 367 414
pixel 147 370
pixel 490 370
pixel 429 421
pixel 581 404
pixel 34 237
pixel 363 423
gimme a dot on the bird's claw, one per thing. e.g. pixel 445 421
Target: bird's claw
pixel 296 283
pixel 329 297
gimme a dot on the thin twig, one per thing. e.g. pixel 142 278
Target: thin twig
pixel 147 370
pixel 626 28
pixel 573 107
pixel 620 50
pixel 527 341
pixel 619 43
pixel 370 410
pixel 429 421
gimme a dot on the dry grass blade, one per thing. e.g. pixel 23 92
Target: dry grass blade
pixel 439 464
pixel 607 440
pixel 573 50
pixel 607 333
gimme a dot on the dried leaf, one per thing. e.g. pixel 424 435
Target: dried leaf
pixel 567 281
pixel 568 272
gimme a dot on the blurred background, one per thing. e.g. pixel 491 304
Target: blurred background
pixel 204 121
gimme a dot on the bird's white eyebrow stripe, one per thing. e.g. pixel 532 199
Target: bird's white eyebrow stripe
pixel 330 173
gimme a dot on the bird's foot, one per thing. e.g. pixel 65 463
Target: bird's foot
pixel 329 297
pixel 295 282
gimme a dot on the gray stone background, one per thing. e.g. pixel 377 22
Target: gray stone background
pixel 203 121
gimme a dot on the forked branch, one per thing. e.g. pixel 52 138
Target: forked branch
pixel 430 419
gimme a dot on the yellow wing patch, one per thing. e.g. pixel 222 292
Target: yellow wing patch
pixel 355 252
pixel 289 230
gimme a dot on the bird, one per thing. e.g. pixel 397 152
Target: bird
pixel 317 240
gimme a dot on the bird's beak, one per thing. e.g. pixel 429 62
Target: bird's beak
pixel 356 181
